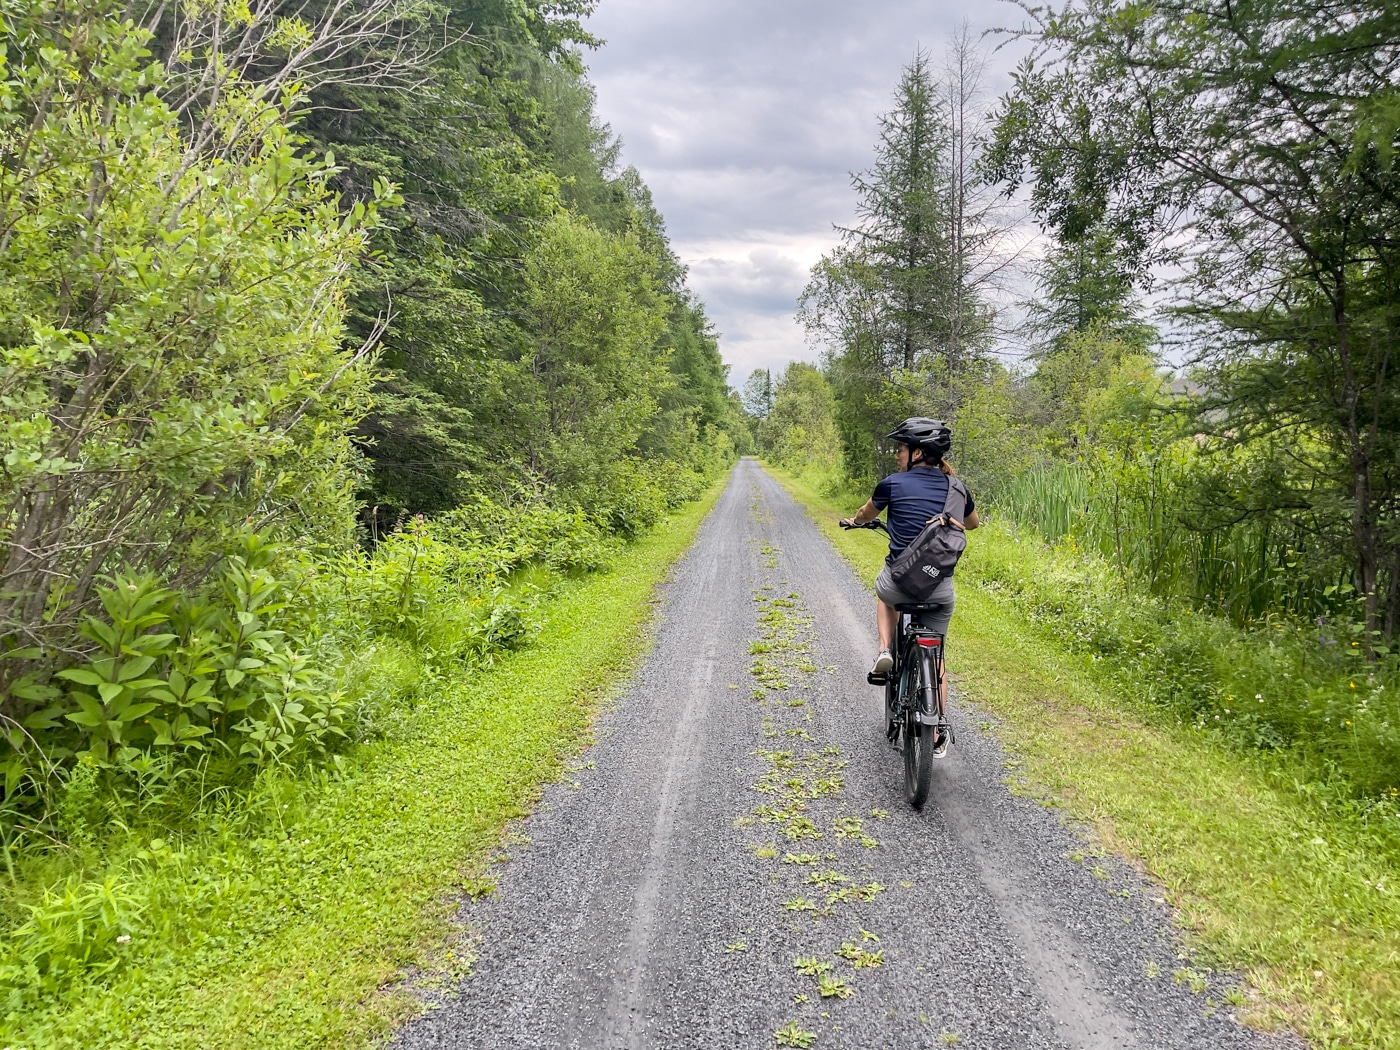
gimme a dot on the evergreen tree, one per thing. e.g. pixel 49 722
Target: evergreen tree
pixel 901 306
pixel 1084 286
pixel 903 210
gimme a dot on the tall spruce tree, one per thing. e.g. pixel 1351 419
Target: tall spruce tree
pixel 901 306
pixel 901 237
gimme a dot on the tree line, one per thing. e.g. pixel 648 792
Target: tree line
pixel 312 316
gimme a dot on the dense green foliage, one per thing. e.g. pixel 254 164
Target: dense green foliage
pixel 187 343
pixel 333 345
pixel 1252 146
pixel 540 338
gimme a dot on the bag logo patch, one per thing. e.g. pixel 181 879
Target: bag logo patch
pixel 930 570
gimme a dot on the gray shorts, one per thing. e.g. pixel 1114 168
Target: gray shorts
pixel 936 620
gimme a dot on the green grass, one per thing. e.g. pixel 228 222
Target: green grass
pixel 295 928
pixel 1301 895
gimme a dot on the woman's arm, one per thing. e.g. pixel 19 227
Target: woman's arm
pixel 971 521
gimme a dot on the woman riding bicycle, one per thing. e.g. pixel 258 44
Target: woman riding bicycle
pixel 914 495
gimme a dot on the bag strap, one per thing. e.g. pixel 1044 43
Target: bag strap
pixel 955 504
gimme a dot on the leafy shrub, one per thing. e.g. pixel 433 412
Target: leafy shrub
pixel 173 356
pixel 75 930
pixel 184 674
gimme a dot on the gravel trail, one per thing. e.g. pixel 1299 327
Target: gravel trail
pixel 735 865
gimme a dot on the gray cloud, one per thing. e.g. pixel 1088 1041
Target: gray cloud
pixel 746 119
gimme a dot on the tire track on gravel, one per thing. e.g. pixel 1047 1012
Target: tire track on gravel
pixel 741 846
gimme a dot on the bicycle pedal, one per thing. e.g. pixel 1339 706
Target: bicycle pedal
pixel 877 679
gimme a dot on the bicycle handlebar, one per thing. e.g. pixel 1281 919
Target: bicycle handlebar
pixel 874 523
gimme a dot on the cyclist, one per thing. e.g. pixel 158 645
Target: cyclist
pixel 913 496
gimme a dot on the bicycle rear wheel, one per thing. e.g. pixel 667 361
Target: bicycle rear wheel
pixel 918 738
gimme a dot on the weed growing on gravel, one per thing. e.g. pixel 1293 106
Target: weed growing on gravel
pixel 1192 979
pixel 793 1034
pixel 859 957
pixel 800 790
pixel 832 987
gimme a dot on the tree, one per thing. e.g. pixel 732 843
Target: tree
pixel 901 306
pixel 1084 287
pixel 757 395
pixel 1251 145
pixel 174 369
pixel 976 228
pixel 902 236
pixel 800 432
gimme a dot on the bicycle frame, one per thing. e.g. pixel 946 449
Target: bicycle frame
pixel 918 649
pixel 916 716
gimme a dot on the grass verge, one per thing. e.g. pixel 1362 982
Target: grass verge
pixel 1301 897
pixel 295 929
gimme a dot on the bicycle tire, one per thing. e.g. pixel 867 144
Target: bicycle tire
pixel 918 738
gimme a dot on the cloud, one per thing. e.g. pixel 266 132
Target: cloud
pixel 746 120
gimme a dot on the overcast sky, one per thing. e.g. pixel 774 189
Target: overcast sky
pixel 746 119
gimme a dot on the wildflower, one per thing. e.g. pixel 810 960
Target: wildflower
pixel 124 939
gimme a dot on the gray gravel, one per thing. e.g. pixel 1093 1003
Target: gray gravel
pixel 642 909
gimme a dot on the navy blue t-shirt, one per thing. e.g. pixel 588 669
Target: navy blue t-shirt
pixel 912 496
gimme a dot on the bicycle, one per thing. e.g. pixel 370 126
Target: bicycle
pixel 916 718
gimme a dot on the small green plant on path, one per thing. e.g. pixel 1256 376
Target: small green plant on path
pixel 811 967
pixel 832 987
pixel 793 1034
pixel 1271 875
pixel 859 957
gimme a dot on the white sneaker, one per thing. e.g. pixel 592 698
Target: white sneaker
pixel 940 749
pixel 883 662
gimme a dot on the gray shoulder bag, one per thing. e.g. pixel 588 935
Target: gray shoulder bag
pixel 923 565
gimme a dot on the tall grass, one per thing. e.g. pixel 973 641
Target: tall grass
pixel 1142 519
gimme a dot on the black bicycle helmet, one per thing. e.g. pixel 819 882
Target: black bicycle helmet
pixel 932 435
